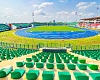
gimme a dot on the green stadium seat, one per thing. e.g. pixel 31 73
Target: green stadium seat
pixel 64 76
pixel 39 65
pixel 20 64
pixel 29 64
pixel 93 66
pixel 36 60
pixel 43 60
pixel 17 73
pixel 75 58
pixel 60 66
pixel 74 61
pixel 95 76
pixel 32 74
pixel 82 61
pixel 71 66
pixel 82 66
pixel 66 60
pixel 28 59
pixel 5 71
pixel 81 76
pixel 48 75
pixel 50 65
pixel 51 60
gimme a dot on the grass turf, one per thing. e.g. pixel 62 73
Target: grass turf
pixel 54 28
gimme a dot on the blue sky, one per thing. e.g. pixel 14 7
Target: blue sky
pixel 47 10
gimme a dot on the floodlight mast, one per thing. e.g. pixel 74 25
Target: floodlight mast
pixel 33 16
pixel 97 10
pixel 76 15
pixel 66 17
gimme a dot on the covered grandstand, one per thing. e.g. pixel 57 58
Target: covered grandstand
pixel 93 22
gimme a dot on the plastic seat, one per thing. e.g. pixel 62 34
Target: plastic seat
pixel 64 76
pixel 81 76
pixel 32 74
pixel 28 59
pixel 95 76
pixel 82 66
pixel 50 65
pixel 66 60
pixel 17 73
pixel 39 65
pixel 60 66
pixel 74 61
pixel 20 64
pixel 93 66
pixel 82 61
pixel 43 60
pixel 29 64
pixel 71 66
pixel 48 75
pixel 5 71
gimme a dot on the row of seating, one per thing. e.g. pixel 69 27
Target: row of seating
pixel 46 75
pixel 6 53
pixel 94 54
pixel 60 66
pixel 59 57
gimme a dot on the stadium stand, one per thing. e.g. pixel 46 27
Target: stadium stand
pixel 22 25
pixel 94 54
pixel 4 27
pixel 49 61
pixel 8 54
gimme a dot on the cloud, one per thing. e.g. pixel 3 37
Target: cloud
pixel 41 12
pixel 81 4
pixel 63 0
pixel 62 12
pixel 85 5
pixel 43 5
pixel 8 12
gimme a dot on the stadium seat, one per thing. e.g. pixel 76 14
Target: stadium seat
pixel 95 76
pixel 50 65
pixel 81 76
pixel 60 66
pixel 29 64
pixel 82 66
pixel 48 75
pixel 64 76
pixel 5 71
pixel 28 59
pixel 71 66
pixel 39 65
pixel 20 64
pixel 93 66
pixel 17 73
pixel 32 74
pixel 82 61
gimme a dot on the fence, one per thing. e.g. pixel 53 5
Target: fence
pixel 49 45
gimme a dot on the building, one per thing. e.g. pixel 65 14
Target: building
pixel 93 22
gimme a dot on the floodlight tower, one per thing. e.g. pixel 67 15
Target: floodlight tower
pixel 80 16
pixel 66 17
pixel 33 16
pixel 76 15
pixel 97 10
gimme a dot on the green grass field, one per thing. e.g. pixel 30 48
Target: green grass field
pixel 54 28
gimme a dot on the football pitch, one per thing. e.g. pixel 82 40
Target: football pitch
pixel 54 28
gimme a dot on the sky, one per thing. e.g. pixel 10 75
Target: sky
pixel 21 11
